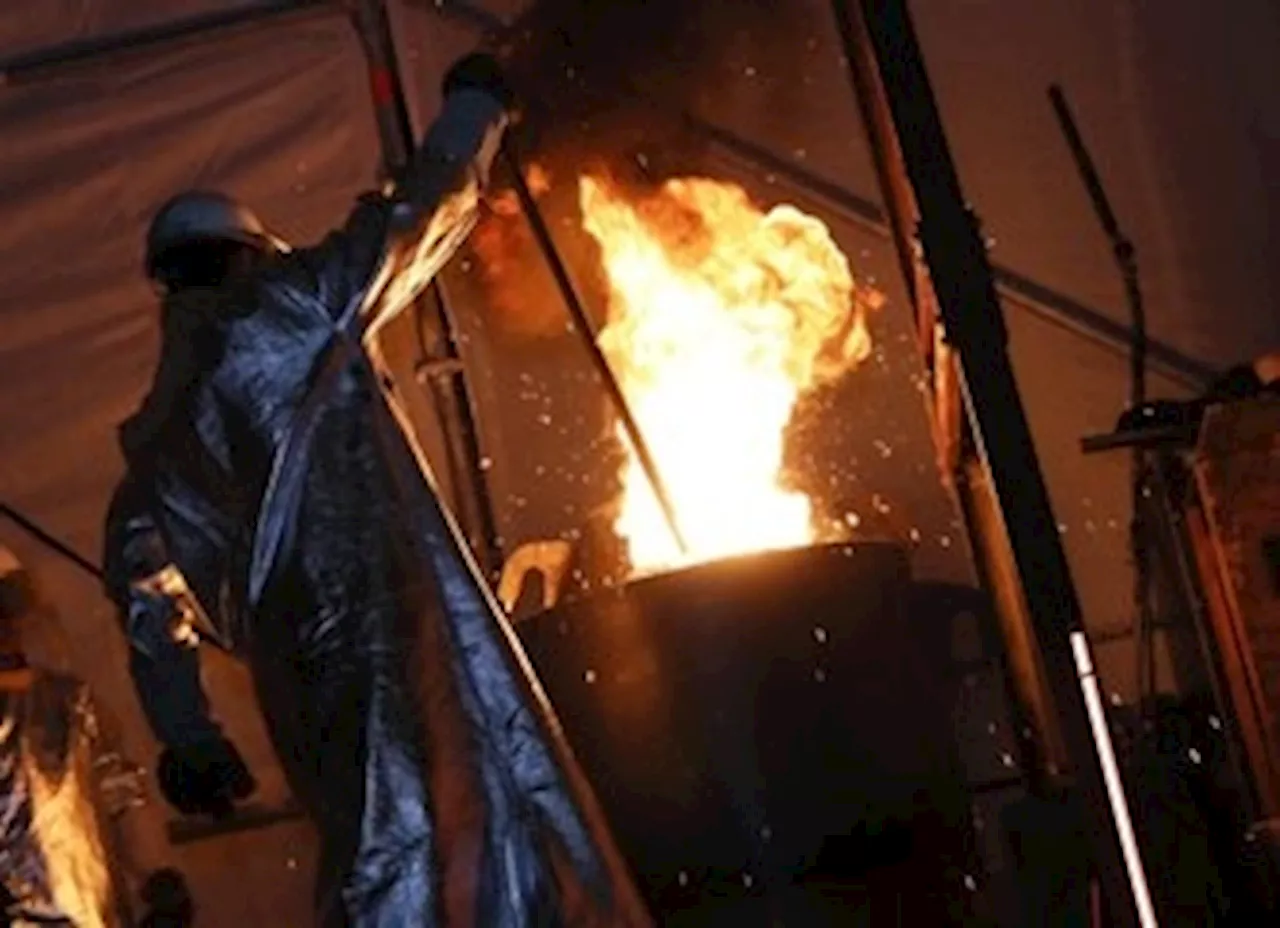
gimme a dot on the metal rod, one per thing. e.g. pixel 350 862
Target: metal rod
pixel 44 62
pixel 877 123
pixel 582 324
pixel 1115 786
pixel 964 285
pixel 1121 247
pixel 395 129
pixel 391 109
pixel 1172 435
pixel 49 541
pixel 471 448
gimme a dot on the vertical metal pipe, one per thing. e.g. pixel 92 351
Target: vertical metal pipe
pixel 582 324
pixel 395 129
pixel 970 309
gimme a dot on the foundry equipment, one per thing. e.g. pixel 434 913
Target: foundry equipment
pixel 769 730
pixel 1203 759
pixel 986 452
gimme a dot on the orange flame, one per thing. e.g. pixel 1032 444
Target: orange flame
pixel 720 317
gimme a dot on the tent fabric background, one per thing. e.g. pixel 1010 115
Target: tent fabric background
pixel 1173 99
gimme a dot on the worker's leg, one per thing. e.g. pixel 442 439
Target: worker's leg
pixel 373 742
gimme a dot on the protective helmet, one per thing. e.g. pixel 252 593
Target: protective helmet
pixel 204 216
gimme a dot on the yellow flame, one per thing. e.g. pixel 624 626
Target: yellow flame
pixel 720 317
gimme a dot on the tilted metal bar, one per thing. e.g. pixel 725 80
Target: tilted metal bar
pixel 57 545
pixel 583 327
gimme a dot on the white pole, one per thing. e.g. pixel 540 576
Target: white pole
pixel 1111 776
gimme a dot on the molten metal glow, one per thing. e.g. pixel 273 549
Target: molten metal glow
pixel 720 317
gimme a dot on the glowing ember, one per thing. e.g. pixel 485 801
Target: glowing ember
pixel 720 317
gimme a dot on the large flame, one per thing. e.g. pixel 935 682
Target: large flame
pixel 720 316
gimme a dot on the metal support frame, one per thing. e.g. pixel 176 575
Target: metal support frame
pixel 445 376
pixel 1206 662
pixel 1166 520
pixel 955 294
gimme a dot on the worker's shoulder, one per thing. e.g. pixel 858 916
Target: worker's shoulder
pixel 289 284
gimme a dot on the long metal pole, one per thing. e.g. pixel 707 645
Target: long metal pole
pixel 582 324
pixel 395 128
pixel 882 33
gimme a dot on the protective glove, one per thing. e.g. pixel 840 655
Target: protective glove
pixel 205 778
pixel 479 71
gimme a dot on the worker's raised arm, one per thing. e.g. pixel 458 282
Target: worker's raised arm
pixel 395 241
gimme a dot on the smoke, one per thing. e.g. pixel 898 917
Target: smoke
pixel 627 67
pixel 605 84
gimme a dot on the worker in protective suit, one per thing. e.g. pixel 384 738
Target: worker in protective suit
pixel 277 503
pixel 56 805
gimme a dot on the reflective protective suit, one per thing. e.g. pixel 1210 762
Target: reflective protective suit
pixel 272 465
pixel 54 861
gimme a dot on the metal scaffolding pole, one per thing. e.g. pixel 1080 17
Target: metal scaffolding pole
pixel 922 185
pixel 583 328
pixel 445 376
